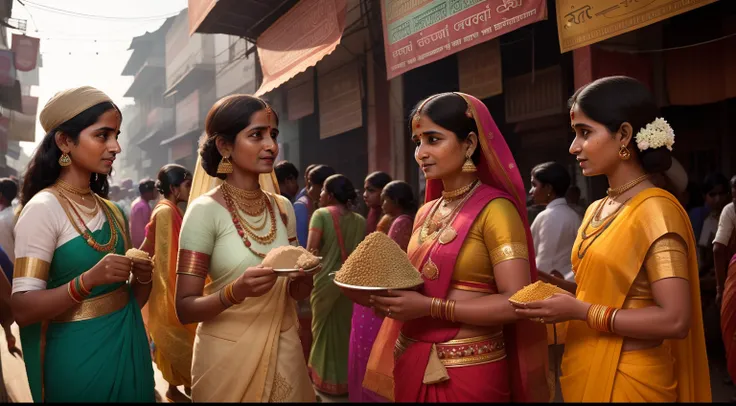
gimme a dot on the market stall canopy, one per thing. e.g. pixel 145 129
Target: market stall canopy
pixel 242 18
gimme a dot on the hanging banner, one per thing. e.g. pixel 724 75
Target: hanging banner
pixel 26 52
pixel 7 67
pixel 479 70
pixel 418 32
pixel 584 23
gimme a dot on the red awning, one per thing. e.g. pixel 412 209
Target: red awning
pixel 299 39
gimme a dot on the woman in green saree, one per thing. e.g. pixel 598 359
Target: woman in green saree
pixel 334 231
pixel 73 295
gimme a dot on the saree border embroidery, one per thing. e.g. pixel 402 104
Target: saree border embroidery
pixel 509 251
pixel 471 286
pixel 97 306
pixel 281 389
pixel 193 263
pixel 29 267
pixel 462 352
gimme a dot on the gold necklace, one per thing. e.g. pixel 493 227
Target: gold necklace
pixel 108 247
pixel 458 193
pixel 439 225
pixel 245 232
pixel 253 203
pixel 615 192
pixel 69 188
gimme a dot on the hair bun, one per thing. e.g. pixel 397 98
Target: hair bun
pixel 656 160
pixel 159 187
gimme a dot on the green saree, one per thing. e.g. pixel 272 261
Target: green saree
pixel 331 310
pixel 101 359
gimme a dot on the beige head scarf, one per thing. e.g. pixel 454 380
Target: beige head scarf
pixel 66 104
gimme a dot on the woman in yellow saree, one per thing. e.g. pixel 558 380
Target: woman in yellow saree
pixel 635 330
pixel 173 341
pixel 247 345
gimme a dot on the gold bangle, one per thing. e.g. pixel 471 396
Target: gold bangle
pixel 451 311
pixel 433 307
pixel 231 294
pixel 70 289
pixel 144 283
pixel 613 318
pixel 223 299
pixel 84 290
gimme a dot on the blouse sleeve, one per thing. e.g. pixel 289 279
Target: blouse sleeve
pixel 503 232
pixel 197 238
pixel 36 233
pixel 400 231
pixel 318 220
pixel 667 258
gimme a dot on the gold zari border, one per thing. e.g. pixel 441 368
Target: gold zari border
pixel 508 251
pixel 97 306
pixel 28 267
pixel 462 352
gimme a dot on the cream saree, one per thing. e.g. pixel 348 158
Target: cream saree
pixel 250 352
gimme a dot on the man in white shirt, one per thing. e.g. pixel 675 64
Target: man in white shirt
pixel 8 192
pixel 724 242
pixel 554 230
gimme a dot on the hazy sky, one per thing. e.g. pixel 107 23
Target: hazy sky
pixel 80 50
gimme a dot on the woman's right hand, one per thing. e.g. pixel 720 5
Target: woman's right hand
pixel 255 281
pixel 112 268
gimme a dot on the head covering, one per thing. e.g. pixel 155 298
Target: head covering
pixel 526 341
pixel 66 104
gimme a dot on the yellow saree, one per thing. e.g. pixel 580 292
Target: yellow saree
pixel 173 340
pixel 594 369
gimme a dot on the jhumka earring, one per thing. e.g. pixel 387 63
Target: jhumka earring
pixel 225 166
pixel 624 153
pixel 469 166
pixel 65 160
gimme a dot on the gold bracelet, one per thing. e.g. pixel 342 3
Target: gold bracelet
pixel 600 318
pixel 223 299
pixel 144 283
pixel 84 290
pixel 231 295
pixel 452 311
pixel 433 307
pixel 613 317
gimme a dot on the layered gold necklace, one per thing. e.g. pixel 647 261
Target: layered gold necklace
pixel 80 226
pixel 252 203
pixel 438 222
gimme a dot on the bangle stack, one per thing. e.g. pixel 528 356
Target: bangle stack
pixel 77 291
pixel 227 297
pixel 601 318
pixel 442 309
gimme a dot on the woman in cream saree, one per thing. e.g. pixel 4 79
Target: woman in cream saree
pixel 247 345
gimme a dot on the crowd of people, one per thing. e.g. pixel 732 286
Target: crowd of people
pixel 640 265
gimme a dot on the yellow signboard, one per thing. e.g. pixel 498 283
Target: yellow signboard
pixel 585 22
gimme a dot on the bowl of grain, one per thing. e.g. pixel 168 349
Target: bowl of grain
pixel 376 265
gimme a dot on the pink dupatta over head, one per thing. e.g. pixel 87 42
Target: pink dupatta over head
pixel 526 342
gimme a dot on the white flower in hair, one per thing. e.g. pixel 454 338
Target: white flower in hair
pixel 656 134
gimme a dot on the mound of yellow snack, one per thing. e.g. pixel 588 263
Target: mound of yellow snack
pixel 536 291
pixel 378 262
pixel 136 253
pixel 290 257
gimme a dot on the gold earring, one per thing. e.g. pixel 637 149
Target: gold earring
pixel 469 166
pixel 624 153
pixel 225 166
pixel 65 160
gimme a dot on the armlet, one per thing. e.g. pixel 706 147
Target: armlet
pixel 193 263
pixel 28 267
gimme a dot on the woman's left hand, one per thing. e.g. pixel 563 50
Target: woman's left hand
pixel 558 308
pixel 402 305
pixel 142 270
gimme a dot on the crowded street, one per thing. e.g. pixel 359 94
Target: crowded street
pixel 368 201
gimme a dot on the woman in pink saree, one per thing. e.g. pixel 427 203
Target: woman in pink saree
pixel 399 206
pixel 457 339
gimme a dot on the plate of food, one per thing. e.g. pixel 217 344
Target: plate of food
pixel 376 265
pixel 287 260
pixel 535 291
